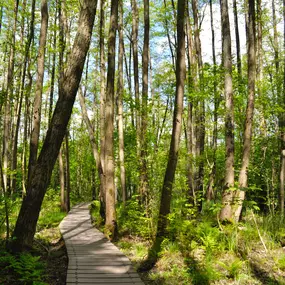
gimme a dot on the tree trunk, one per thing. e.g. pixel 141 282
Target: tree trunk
pixel 226 212
pixel 210 189
pixel 120 90
pixel 243 175
pixel 135 24
pixel 27 220
pixel 144 108
pixel 61 181
pixel 22 89
pixel 35 135
pixel 68 190
pixel 192 75
pixel 200 111
pixel 282 127
pixel 237 39
pixel 164 209
pixel 102 195
pixel 9 98
pixel 111 224
pixel 51 94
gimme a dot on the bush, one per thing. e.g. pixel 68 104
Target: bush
pixel 133 219
pixel 24 268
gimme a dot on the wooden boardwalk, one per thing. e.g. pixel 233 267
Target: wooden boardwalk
pixel 92 258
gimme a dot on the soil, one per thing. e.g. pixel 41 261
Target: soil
pixel 56 264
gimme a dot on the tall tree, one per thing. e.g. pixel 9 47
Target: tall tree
pixel 282 127
pixel 226 212
pixel 144 110
pixel 28 216
pixel 237 38
pixel 135 28
pixel 8 100
pixel 120 91
pixel 251 73
pixel 166 194
pixel 210 188
pixel 102 108
pixel 35 134
pixel 111 225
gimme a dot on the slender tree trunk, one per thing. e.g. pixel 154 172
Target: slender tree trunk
pixel 144 109
pixel 102 110
pixel 237 39
pixel 27 220
pixel 166 22
pixel 282 127
pixel 135 24
pixel 226 212
pixel 164 209
pixel 52 82
pixel 210 190
pixel 200 110
pixel 92 136
pixel 1 17
pixel 111 224
pixel 7 221
pixel 190 122
pixel 35 135
pixel 9 98
pixel 243 175
pixel 68 190
pixel 120 92
pixel 61 181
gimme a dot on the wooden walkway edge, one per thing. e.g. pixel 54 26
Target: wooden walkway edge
pixel 93 259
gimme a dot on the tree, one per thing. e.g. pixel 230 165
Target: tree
pixel 110 224
pixel 120 92
pixel 166 193
pixel 27 219
pixel 144 111
pixel 251 73
pixel 226 212
pixel 35 134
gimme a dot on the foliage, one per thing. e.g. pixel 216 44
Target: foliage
pixel 24 268
pixel 50 215
pixel 132 219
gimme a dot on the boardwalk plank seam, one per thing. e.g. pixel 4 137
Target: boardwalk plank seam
pixel 93 259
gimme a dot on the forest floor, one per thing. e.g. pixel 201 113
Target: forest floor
pixel 45 263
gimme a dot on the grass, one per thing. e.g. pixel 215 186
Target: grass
pixel 200 251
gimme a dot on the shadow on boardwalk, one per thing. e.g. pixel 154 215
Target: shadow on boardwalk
pixel 93 259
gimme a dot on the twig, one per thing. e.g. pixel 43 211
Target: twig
pixel 259 232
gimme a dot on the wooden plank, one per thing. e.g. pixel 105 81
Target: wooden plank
pixel 92 258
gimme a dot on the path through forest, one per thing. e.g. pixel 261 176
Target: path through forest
pixel 92 258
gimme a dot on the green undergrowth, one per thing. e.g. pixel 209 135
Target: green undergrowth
pixel 201 250
pixel 34 266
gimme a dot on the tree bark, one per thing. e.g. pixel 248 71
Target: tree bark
pixel 164 209
pixel 67 166
pixel 35 134
pixel 61 180
pixel 135 24
pixel 120 92
pixel 7 104
pixel 226 211
pixel 27 220
pixel 144 112
pixel 282 127
pixel 210 189
pixel 102 195
pixel 243 175
pixel 237 39
pixel 110 224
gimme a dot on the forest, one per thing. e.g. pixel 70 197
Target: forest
pixel 167 116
